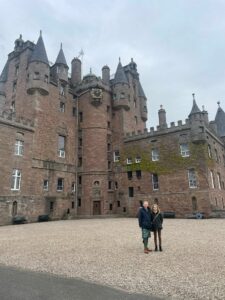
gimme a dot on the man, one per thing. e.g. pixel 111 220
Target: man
pixel 145 219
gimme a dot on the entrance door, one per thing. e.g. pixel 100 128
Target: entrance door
pixel 96 208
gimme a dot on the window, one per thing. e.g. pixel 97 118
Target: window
pixel 108 109
pixel 136 120
pixel 108 147
pixel 14 208
pixel 109 185
pixel 216 154
pixel 45 185
pixel 109 164
pixel 61 146
pixel 36 75
pixel 116 185
pixel 194 204
pixel 14 86
pixel 155 182
pixel 51 206
pixel 16 180
pixel 74 111
pixel 46 78
pixel 13 106
pixel 129 161
pixel 110 206
pixel 212 179
pixel 118 203
pixel 16 70
pixel 19 147
pixel 138 174
pixel 129 175
pixel 114 97
pixel 131 191
pixel 108 124
pixel 96 183
pixel 135 103
pixel 62 90
pixel 73 187
pixel 219 181
pixel 80 142
pixel 122 95
pixel 138 159
pixel 80 116
pixel 62 107
pixel 124 209
pixel 192 178
pixel 184 150
pixel 79 179
pixel 72 205
pixel 155 154
pixel 60 184
pixel 209 151
pixel 80 161
pixel 116 156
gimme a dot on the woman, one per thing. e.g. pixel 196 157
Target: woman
pixel 157 221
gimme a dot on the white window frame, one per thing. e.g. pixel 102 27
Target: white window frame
pixel 45 187
pixel 116 158
pixel 192 182
pixel 184 150
pixel 137 159
pixel 63 108
pixel 155 154
pixel 16 180
pixel 155 185
pixel 62 152
pixel 212 179
pixel 61 189
pixel 73 187
pixel 219 180
pixel 129 161
pixel 19 147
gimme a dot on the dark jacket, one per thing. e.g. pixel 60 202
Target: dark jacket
pixel 144 218
pixel 157 220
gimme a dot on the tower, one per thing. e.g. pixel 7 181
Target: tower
pixel 38 70
pixel 76 71
pixel 59 70
pixel 106 74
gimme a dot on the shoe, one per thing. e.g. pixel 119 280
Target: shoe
pixel 146 251
pixel 149 250
pixel 160 248
pixel 156 248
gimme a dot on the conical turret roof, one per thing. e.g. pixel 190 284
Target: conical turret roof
pixel 141 91
pixel 120 76
pixel 195 109
pixel 220 121
pixel 39 53
pixel 61 58
pixel 4 74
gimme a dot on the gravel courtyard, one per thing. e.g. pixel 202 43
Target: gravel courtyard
pixel 109 251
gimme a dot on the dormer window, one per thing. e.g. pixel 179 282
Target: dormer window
pixel 36 75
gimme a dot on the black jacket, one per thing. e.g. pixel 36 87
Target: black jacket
pixel 144 218
pixel 157 220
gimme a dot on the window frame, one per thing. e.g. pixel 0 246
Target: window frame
pixel 16 180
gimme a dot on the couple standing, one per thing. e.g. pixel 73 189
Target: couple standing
pixel 150 220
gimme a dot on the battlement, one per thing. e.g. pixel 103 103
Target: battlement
pixel 159 130
pixel 12 120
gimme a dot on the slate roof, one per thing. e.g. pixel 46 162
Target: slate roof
pixel 120 76
pixel 4 74
pixel 220 121
pixel 39 53
pixel 141 91
pixel 61 58
pixel 195 109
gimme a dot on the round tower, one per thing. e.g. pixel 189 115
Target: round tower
pixel 38 70
pixel 76 71
pixel 162 117
pixel 106 74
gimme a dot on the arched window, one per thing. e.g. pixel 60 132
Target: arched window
pixel 14 208
pixel 96 183
pixel 194 204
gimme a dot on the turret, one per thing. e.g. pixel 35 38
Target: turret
pixel 59 70
pixel 162 117
pixel 19 44
pixel 220 121
pixel 3 79
pixel 38 69
pixel 195 114
pixel 76 71
pixel 120 89
pixel 197 119
pixel 143 102
pixel 106 74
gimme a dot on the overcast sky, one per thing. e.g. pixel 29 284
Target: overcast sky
pixel 178 45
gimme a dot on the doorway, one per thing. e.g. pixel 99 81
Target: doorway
pixel 96 207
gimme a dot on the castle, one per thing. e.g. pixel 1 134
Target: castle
pixel 73 146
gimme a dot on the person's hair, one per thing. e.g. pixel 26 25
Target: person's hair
pixel 158 209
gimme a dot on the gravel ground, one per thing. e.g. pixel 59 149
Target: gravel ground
pixel 110 252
